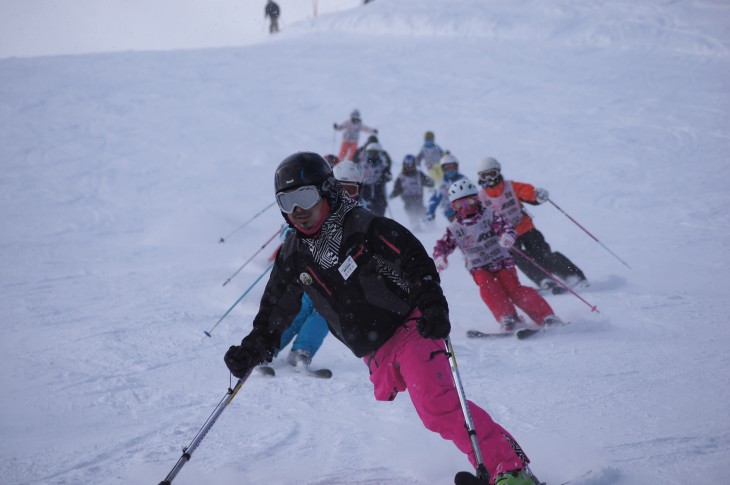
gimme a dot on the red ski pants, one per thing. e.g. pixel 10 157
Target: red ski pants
pixel 409 361
pixel 502 290
pixel 347 150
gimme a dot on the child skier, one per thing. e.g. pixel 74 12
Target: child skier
pixel 351 135
pixel 440 197
pixel 430 155
pixel 507 196
pixel 485 237
pixel 376 170
pixel 409 186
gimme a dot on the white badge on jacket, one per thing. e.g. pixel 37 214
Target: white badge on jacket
pixel 348 267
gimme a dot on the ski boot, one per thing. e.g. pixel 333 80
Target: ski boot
pixel 299 358
pixel 508 323
pixel 552 321
pixel 548 285
pixel 517 477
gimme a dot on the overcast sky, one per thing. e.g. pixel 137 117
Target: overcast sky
pixel 54 27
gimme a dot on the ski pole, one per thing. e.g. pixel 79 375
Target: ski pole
pixel 594 308
pixel 223 239
pixel 188 450
pixel 209 332
pixel 481 469
pixel 591 235
pixel 252 256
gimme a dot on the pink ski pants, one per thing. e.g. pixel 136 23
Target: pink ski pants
pixel 409 361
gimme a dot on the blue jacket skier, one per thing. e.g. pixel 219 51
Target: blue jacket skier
pixel 450 168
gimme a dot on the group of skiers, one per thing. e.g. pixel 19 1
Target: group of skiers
pixel 344 268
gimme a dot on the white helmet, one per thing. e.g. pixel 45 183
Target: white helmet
pixel 488 163
pixel 348 171
pixel 449 158
pixel 462 188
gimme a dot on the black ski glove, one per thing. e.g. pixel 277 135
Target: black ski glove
pixel 434 321
pixel 240 359
pixel 334 125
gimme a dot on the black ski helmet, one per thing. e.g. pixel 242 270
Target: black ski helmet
pixel 305 168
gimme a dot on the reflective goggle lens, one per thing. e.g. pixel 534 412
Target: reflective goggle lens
pixel 304 197
pixel 464 203
pixel 352 190
pixel 488 175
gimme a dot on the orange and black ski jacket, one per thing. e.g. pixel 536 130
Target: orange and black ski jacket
pixel 524 193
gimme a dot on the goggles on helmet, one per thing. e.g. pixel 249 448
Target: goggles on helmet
pixel 464 203
pixel 449 167
pixel 304 197
pixel 351 189
pixel 488 175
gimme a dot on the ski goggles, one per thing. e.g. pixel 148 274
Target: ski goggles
pixel 352 190
pixel 464 203
pixel 304 197
pixel 488 175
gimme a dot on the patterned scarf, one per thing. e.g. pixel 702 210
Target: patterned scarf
pixel 326 247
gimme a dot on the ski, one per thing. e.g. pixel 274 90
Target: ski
pixel 466 478
pixel 267 371
pixel 480 334
pixel 529 332
pixel 524 333
pixel 321 373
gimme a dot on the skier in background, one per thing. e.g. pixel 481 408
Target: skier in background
pixel 507 196
pixel 332 159
pixel 351 135
pixel 430 154
pixel 272 11
pixel 409 186
pixel 375 285
pixel 440 197
pixel 359 156
pixel 376 169
pixel 484 238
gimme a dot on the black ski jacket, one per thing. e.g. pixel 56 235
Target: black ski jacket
pixel 364 290
pixel 272 10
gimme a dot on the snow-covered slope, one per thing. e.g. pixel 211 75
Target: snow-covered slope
pixel 121 171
